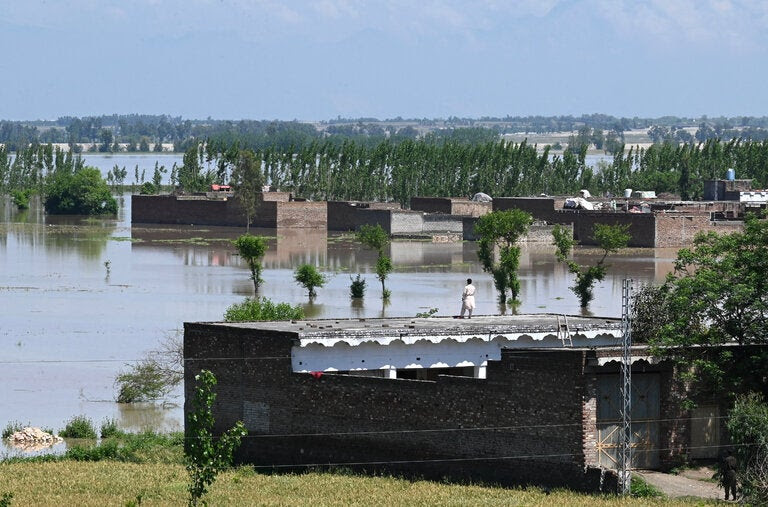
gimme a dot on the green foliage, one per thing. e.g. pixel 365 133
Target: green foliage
pixel 190 175
pixel 383 268
pixel 11 428
pixel 373 237
pixel 109 428
pixel 252 249
pixel 260 309
pixel 148 188
pixel 748 428
pixel 501 230
pixel 717 296
pixel 82 193
pixel 145 447
pixel 247 181
pixel 154 376
pixel 79 427
pixel 5 499
pixel 376 238
pixel 610 238
pixel 427 314
pixel 649 313
pixel 205 454
pixel 21 198
pixel 639 488
pixel 309 277
pixel 357 287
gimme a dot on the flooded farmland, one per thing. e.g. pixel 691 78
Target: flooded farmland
pixel 84 297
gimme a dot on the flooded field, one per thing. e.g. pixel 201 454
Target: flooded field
pixel 82 298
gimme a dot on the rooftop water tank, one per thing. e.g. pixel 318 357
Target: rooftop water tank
pixel 730 174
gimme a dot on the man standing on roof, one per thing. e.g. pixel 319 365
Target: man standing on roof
pixel 468 299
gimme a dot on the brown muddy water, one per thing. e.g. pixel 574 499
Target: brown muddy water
pixel 69 323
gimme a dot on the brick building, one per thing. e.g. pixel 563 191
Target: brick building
pixel 512 400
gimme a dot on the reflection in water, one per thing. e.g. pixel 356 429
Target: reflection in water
pixel 67 329
pixel 137 417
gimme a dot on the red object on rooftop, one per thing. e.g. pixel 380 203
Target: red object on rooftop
pixel 220 188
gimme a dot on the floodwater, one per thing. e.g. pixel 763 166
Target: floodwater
pixel 80 298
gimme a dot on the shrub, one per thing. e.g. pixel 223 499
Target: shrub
pixel 357 288
pixel 11 428
pixel 641 489
pixel 309 277
pixel 82 193
pixel 109 428
pixel 21 198
pixel 148 188
pixel 79 427
pixel 748 428
pixel 155 375
pixel 253 309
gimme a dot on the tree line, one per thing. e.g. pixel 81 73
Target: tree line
pixel 144 132
pixel 398 171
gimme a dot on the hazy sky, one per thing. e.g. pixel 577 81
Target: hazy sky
pixel 314 60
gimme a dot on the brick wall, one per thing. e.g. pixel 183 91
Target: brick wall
pixel 641 226
pixel 350 216
pixel 431 204
pixel 530 409
pixel 302 214
pixel 676 230
pixel 451 206
pixel 168 209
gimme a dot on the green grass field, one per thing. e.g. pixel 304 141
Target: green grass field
pixel 118 483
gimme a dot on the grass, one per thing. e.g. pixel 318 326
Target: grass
pixel 115 483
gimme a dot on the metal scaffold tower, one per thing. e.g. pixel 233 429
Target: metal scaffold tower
pixel 625 458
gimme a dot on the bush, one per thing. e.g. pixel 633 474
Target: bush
pixel 253 309
pixel 154 376
pixel 148 188
pixel 82 193
pixel 11 428
pixel 309 277
pixel 21 198
pixel 357 288
pixel 748 428
pixel 641 489
pixel 79 427
pixel 109 428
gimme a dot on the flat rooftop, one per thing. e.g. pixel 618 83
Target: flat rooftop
pixel 413 326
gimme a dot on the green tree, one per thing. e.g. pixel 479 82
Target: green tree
pixel 375 238
pixel 205 454
pixel 501 230
pixel 252 249
pixel 248 180
pixel 718 295
pixel 155 375
pixel 309 277
pixel 610 238
pixel 83 192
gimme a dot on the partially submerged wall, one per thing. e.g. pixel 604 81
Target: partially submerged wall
pixel 186 210
pixel 451 206
pixel 521 425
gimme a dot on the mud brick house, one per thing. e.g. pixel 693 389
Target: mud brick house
pixel 664 225
pixel 525 399
pixel 275 210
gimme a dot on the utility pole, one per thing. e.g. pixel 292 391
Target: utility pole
pixel 625 458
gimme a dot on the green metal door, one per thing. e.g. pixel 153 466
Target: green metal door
pixel 645 420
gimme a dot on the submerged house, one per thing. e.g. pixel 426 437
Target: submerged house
pixel 523 399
